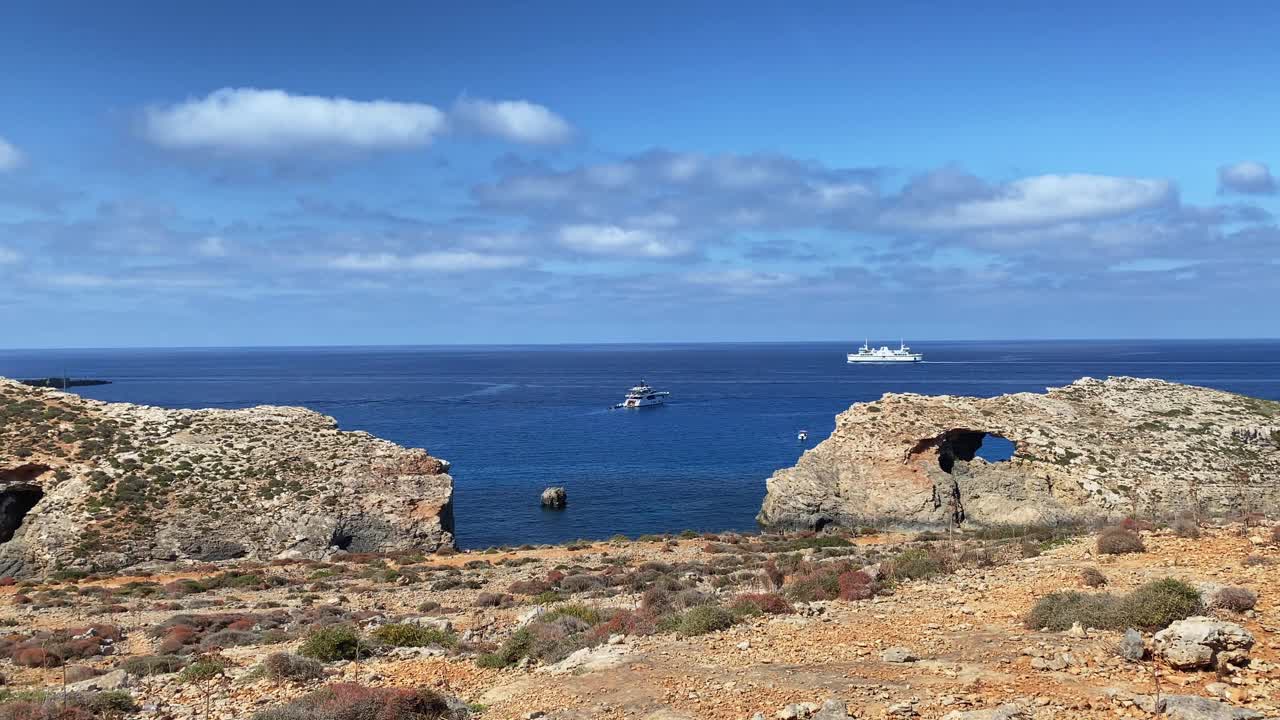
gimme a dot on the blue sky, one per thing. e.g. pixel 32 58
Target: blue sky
pixel 303 173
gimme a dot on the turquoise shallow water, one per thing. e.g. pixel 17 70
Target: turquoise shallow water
pixel 513 420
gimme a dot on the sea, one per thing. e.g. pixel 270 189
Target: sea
pixel 514 420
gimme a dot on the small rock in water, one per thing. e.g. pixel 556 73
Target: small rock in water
pixel 555 497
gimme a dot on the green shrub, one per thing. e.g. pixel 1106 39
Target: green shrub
pixel 915 564
pixel 153 664
pixel 1157 604
pixel 704 619
pixel 413 636
pixel 1151 607
pixel 1060 610
pixel 1119 541
pixel 585 613
pixel 337 642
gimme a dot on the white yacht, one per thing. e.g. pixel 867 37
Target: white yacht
pixel 643 396
pixel 884 354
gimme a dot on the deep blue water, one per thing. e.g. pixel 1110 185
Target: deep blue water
pixel 513 420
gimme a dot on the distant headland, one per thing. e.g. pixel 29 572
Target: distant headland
pixel 62 383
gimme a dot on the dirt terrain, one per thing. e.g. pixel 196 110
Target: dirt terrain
pixel 958 633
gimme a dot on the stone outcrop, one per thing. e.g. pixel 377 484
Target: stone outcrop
pixel 1203 642
pixel 91 485
pixel 1091 449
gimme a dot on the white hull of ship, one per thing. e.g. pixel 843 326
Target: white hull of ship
pixel 856 359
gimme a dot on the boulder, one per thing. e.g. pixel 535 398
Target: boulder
pixel 1191 707
pixel 1203 642
pixel 898 655
pixel 832 709
pixel 114 680
pixel 1131 646
pixel 554 497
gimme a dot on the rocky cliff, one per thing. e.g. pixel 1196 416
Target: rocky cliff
pixel 92 485
pixel 1091 449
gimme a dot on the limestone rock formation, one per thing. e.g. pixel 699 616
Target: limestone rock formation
pixel 91 485
pixel 1095 448
pixel 1203 642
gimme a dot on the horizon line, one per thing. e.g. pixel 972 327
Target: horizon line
pixel 620 343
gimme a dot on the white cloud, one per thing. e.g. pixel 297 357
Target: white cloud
pixel 741 280
pixel 212 246
pixel 514 120
pixel 248 120
pixel 8 257
pixel 1041 200
pixel 619 241
pixel 10 157
pixel 442 261
pixel 1248 177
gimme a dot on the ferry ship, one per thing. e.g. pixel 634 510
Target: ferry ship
pixel 884 354
pixel 643 396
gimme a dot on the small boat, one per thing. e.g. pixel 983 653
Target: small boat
pixel 803 435
pixel 883 354
pixel 643 396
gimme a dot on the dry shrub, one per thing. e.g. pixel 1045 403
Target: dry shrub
pixel 36 657
pixel 1119 541
pixel 762 604
pixel 856 585
pixel 1185 526
pixel 1235 599
pixel 287 666
pixel 494 600
pixel 1092 577
pixel 349 701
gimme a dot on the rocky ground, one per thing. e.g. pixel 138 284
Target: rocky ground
pixel 659 628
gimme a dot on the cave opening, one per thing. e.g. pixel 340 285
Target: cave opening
pixel 15 502
pixel 965 445
pixel 341 539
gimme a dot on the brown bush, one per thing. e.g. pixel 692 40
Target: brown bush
pixel 36 657
pixel 1119 541
pixel 1185 526
pixel 1235 599
pixel 762 603
pixel 856 585
pixel 1092 577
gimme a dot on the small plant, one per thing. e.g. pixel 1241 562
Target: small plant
pixel 1119 541
pixel 1235 599
pixel 915 564
pixel 761 604
pixel 153 664
pixel 705 619
pixel 413 636
pixel 349 701
pixel 1092 577
pixel 1151 607
pixel 287 666
pixel 1185 526
pixel 337 642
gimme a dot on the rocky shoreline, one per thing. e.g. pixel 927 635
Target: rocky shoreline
pixel 89 485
